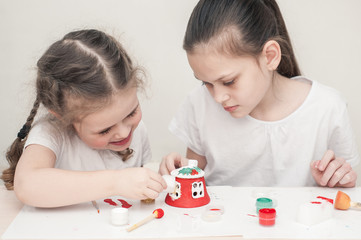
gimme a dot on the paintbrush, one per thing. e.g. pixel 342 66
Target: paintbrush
pixel 158 213
pixel 343 202
pixel 95 204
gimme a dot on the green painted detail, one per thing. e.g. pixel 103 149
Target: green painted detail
pixel 185 171
pixel 188 171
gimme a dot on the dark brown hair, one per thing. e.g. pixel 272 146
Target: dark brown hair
pixel 241 27
pixel 77 75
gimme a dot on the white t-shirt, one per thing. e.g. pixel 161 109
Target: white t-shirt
pixel 73 154
pixel 249 152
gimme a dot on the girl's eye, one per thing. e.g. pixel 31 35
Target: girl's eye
pixel 132 113
pixel 105 131
pixel 206 83
pixel 228 83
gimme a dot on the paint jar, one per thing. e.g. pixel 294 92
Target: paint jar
pixel 119 216
pixel 213 213
pixel 215 208
pixel 211 216
pixel 267 216
pixel 263 203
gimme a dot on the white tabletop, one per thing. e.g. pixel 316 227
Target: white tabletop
pixel 238 221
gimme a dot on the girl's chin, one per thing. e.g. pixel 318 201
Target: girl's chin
pixel 112 147
pixel 238 115
pixel 118 148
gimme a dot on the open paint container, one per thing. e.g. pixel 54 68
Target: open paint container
pixel 267 216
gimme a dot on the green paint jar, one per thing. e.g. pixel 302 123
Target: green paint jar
pixel 263 203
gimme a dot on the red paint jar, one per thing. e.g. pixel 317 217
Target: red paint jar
pixel 267 216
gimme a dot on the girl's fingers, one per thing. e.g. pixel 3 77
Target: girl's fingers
pixel 157 178
pixel 171 164
pixel 340 175
pixel 155 186
pixel 163 170
pixel 330 170
pixel 149 193
pixel 314 165
pixel 173 161
pixel 167 165
pixel 326 159
pixel 349 180
pixel 333 172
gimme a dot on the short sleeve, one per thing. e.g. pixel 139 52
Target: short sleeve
pixel 45 134
pixel 342 140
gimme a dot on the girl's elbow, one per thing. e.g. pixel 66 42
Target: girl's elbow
pixel 20 195
pixel 22 192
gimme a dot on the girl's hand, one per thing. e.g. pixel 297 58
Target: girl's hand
pixel 140 183
pixel 171 162
pixel 333 171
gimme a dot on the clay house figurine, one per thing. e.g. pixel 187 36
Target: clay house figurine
pixel 190 190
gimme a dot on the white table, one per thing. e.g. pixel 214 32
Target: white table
pixel 82 222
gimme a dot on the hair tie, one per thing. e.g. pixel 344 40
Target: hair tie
pixel 23 131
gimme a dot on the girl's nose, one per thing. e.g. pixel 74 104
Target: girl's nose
pixel 121 131
pixel 220 94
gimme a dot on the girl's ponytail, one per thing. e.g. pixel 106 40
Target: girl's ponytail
pixel 16 149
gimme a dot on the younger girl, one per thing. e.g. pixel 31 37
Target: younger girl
pixel 92 143
pixel 255 121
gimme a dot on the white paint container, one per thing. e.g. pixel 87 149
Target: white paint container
pixel 119 216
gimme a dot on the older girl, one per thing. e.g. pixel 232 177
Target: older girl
pixel 255 121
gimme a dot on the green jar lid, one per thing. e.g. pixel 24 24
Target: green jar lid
pixel 263 203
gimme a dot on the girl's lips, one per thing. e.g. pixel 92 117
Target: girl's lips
pixel 230 109
pixel 122 142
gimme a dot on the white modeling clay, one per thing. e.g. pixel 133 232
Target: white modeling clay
pixel 314 212
pixel 171 184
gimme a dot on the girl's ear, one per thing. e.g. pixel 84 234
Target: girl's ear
pixel 272 52
pixel 54 114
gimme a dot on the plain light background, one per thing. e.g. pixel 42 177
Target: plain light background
pixel 325 34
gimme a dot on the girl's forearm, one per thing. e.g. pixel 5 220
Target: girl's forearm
pixel 51 187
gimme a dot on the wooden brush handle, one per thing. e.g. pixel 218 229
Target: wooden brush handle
pixel 355 205
pixel 138 224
